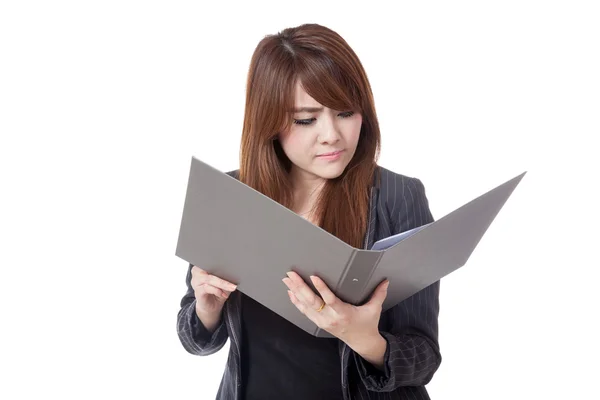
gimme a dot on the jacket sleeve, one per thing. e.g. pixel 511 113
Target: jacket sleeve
pixel 194 337
pixel 411 327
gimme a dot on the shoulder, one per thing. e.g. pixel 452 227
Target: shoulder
pixel 404 199
pixel 393 185
pixel 234 174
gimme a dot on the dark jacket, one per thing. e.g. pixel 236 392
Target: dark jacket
pixel 397 203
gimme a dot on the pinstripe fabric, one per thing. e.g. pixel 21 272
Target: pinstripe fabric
pixel 398 203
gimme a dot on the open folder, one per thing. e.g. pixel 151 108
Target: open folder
pixel 238 234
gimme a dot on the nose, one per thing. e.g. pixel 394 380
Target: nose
pixel 328 133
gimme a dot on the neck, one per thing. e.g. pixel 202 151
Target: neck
pixel 306 190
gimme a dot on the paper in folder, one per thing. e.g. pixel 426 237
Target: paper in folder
pixel 238 234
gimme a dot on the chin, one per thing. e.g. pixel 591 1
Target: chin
pixel 331 172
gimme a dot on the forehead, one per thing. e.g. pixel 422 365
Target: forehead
pixel 303 99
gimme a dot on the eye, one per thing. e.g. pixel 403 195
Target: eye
pixel 309 121
pixel 304 121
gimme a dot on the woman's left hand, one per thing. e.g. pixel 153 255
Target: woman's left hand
pixel 351 324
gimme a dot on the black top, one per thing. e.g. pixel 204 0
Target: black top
pixel 278 357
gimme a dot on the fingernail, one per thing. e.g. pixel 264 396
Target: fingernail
pixel 386 285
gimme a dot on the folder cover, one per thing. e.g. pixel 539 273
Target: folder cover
pixel 238 234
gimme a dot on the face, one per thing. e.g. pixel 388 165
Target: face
pixel 321 141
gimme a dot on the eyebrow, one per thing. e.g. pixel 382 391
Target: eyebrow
pixel 307 109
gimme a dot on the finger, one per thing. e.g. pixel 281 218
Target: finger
pixel 218 282
pixel 197 276
pixel 205 288
pixel 200 276
pixel 198 270
pixel 326 294
pixel 303 292
pixel 379 294
pixel 299 305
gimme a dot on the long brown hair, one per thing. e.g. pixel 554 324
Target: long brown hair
pixel 332 74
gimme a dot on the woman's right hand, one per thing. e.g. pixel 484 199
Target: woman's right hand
pixel 210 291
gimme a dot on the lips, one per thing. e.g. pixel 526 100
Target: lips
pixel 330 154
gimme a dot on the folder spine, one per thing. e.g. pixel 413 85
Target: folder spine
pixel 338 285
pixel 360 268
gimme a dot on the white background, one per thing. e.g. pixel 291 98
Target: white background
pixel 102 105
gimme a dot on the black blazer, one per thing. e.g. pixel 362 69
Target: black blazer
pixel 397 203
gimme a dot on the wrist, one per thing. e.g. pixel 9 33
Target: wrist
pixel 363 341
pixel 210 320
pixel 372 348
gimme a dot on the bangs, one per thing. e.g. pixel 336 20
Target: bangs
pixel 332 78
pixel 326 82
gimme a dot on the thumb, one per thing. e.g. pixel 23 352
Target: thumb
pixel 379 294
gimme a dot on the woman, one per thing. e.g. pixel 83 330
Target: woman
pixel 310 141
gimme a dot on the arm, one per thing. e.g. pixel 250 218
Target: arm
pixel 410 328
pixel 194 336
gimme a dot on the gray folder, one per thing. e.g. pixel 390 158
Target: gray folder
pixel 238 234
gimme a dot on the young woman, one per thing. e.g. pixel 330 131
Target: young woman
pixel 310 141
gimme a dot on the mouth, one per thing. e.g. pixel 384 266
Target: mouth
pixel 331 154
